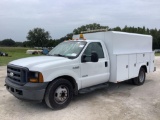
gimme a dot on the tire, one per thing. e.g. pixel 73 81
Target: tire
pixel 141 77
pixel 59 94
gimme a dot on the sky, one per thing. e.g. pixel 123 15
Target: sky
pixel 61 17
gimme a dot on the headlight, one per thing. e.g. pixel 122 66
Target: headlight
pixel 35 77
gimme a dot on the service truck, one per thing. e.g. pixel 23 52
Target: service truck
pixel 88 62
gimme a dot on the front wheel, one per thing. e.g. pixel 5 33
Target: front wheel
pixel 59 94
pixel 141 77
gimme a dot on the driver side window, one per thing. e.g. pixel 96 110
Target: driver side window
pixel 95 46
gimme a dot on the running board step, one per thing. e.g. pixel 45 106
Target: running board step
pixel 93 88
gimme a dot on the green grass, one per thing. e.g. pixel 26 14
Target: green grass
pixel 13 53
pixel 157 54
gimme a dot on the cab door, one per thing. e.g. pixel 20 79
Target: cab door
pixel 94 73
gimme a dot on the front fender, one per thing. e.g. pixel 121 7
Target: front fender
pixel 63 72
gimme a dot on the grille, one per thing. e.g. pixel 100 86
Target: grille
pixel 17 74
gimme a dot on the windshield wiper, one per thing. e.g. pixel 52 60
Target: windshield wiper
pixel 60 55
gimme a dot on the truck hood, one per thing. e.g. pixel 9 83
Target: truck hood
pixel 31 62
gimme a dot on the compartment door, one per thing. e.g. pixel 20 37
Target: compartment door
pixel 132 66
pixel 122 67
pixel 140 58
pixel 151 63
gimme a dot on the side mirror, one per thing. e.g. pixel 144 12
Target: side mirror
pixel 94 57
pixel 83 58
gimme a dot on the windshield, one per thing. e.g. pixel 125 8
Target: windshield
pixel 70 49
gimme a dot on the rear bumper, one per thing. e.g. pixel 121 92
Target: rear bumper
pixel 29 91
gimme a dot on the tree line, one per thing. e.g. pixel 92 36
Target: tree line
pixel 38 37
pixel 10 43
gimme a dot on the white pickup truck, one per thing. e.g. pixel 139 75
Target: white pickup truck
pixel 88 62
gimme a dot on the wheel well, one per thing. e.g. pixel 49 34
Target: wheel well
pixel 73 82
pixel 144 67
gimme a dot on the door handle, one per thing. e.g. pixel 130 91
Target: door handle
pixel 106 64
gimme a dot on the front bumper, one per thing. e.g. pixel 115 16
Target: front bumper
pixel 29 91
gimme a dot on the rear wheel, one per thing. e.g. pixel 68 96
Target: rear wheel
pixel 141 77
pixel 59 94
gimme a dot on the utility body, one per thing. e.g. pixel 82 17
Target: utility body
pixel 89 61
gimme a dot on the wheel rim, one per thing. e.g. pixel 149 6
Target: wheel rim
pixel 141 76
pixel 61 94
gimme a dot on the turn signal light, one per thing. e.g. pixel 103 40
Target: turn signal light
pixel 34 80
pixel 41 78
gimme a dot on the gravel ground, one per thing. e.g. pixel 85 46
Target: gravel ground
pixel 117 102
